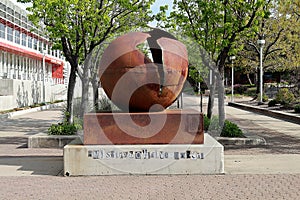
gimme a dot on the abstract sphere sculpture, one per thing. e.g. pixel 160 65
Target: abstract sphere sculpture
pixel 133 81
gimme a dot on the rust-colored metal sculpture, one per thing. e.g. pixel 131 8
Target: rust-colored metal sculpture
pixel 135 83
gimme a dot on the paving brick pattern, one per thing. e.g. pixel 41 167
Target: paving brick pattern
pixel 14 132
pixel 282 186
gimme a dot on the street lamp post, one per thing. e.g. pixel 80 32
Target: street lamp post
pixel 261 43
pixel 232 58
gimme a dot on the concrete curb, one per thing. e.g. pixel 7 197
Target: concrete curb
pixel 271 113
pixel 251 141
pixel 22 112
pixel 43 140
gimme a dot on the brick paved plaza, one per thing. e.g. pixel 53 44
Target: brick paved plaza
pixel 260 172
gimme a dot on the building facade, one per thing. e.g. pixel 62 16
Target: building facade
pixel 30 71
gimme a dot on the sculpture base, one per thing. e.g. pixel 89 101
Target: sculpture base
pixel 166 127
pixel 89 160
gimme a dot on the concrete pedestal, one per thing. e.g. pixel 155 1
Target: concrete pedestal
pixel 87 160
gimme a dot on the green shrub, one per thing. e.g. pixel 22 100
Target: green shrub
pixel 105 104
pixel 284 96
pixel 265 98
pixel 272 103
pixel 231 130
pixel 206 122
pixel 297 108
pixel 214 123
pixel 239 89
pixel 211 124
pixel 63 129
pixel 250 92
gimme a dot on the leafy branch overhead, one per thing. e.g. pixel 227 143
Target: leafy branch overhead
pixel 216 26
pixel 281 34
pixel 77 27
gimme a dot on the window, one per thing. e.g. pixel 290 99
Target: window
pixel 44 47
pixel 24 37
pixel 17 36
pixel 2 14
pixel 9 34
pixel 24 21
pixel 35 44
pixel 2 6
pixel 29 42
pixel 2 30
pixel 41 46
pixel 10 11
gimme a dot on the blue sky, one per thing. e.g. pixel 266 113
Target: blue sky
pixel 155 8
pixel 158 3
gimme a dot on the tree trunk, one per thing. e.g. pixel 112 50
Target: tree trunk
pixel 85 95
pixel 211 97
pixel 95 85
pixel 249 79
pixel 221 102
pixel 70 94
pixel 84 106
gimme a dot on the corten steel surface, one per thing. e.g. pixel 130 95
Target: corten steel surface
pixel 135 83
pixel 179 127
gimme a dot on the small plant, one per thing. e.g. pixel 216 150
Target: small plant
pixel 105 105
pixel 63 129
pixel 272 103
pixel 206 122
pixel 250 92
pixel 211 124
pixel 297 108
pixel 284 96
pixel 231 130
pixel 214 123
pixel 239 89
pixel 265 98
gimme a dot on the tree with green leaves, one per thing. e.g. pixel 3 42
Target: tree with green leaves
pixel 216 25
pixel 281 33
pixel 77 27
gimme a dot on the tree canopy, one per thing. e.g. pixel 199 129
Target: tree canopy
pixel 281 34
pixel 217 26
pixel 77 26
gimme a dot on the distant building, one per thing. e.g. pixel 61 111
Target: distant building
pixel 30 71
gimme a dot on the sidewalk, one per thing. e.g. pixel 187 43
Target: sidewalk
pixel 15 158
pixel 271 172
pixel 280 155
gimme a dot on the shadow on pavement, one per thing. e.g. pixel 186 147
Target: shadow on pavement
pixel 277 143
pixel 31 165
pixel 14 140
pixel 28 126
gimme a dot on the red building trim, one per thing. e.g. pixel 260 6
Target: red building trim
pixel 57 65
